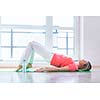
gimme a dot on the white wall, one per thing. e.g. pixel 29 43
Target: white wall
pixel 91 39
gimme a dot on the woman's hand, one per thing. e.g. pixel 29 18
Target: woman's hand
pixel 47 69
pixel 41 69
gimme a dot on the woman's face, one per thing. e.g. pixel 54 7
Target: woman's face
pixel 82 62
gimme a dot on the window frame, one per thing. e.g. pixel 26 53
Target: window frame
pixel 49 31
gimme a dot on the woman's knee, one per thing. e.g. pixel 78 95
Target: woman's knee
pixel 30 43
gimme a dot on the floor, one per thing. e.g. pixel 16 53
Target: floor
pixel 50 77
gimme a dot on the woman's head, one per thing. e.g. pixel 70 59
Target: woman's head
pixel 84 65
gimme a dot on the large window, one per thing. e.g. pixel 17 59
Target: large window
pixel 63 21
pixel 64 35
pixel 17 31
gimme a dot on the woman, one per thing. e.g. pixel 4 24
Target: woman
pixel 59 62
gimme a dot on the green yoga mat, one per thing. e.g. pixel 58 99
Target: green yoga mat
pixel 27 70
pixel 34 70
pixel 14 70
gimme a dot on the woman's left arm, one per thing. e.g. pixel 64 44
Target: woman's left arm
pixel 51 69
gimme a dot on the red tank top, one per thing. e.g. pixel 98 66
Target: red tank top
pixel 61 61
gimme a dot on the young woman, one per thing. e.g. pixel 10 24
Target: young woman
pixel 59 62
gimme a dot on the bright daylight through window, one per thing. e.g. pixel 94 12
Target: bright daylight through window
pixel 17 31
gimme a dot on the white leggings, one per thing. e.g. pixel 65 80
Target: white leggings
pixel 33 47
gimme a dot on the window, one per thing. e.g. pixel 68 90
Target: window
pixel 63 21
pixel 64 36
pixel 17 31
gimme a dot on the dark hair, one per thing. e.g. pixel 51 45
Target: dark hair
pixel 87 66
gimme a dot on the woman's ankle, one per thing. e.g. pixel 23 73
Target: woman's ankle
pixel 29 65
pixel 19 67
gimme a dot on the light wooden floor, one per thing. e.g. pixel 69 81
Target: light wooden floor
pixel 10 76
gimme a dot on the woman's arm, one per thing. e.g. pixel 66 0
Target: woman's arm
pixel 52 69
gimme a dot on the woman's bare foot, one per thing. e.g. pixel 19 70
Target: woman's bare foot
pixel 19 67
pixel 29 66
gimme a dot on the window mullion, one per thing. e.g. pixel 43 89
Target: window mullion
pixel 77 37
pixel 49 35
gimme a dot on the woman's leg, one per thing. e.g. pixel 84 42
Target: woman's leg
pixel 25 56
pixel 31 58
pixel 41 50
pixel 31 49
pixel 27 53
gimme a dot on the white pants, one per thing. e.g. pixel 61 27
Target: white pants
pixel 33 47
